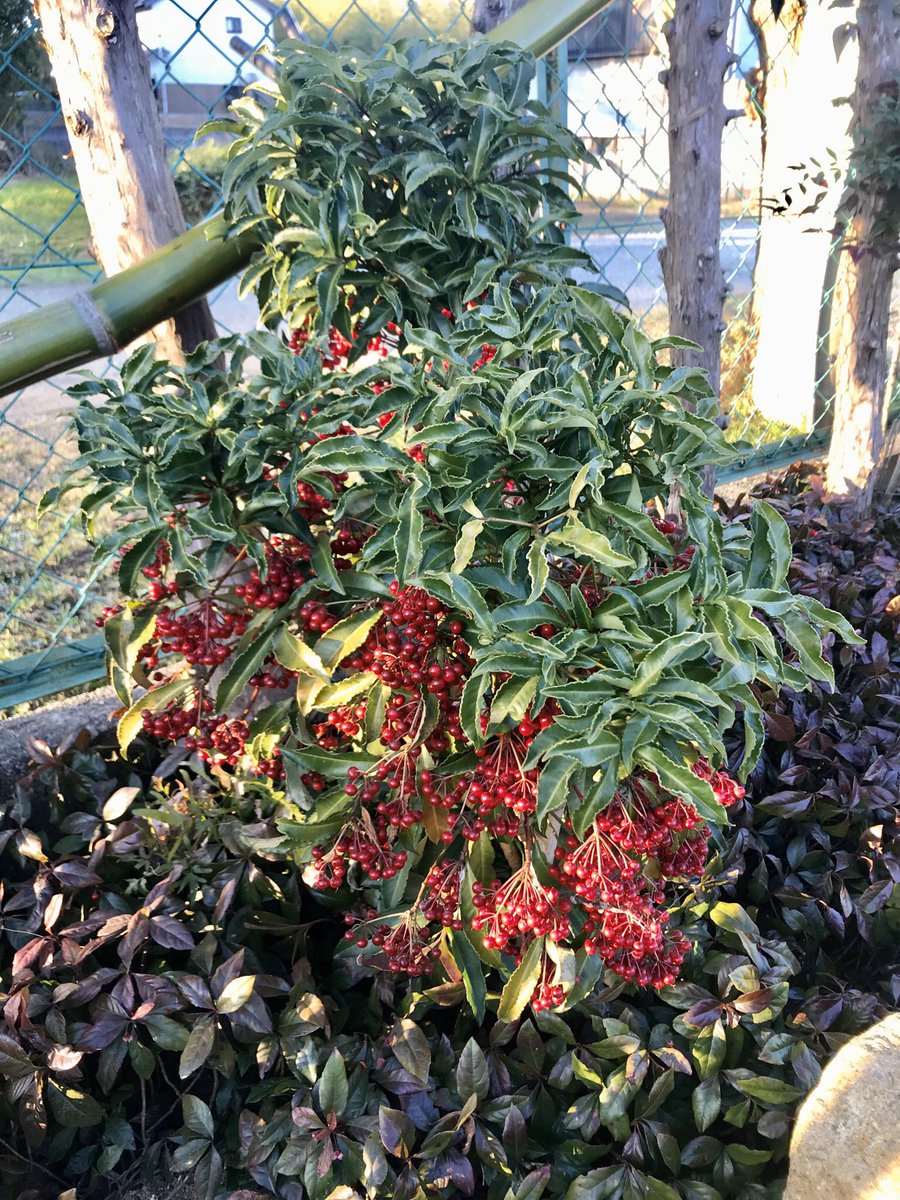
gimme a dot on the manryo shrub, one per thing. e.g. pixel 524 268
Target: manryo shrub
pixel 418 571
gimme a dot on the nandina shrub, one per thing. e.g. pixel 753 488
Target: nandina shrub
pixel 435 598
pixel 397 189
pixel 488 674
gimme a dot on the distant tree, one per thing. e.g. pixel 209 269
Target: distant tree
pixel 24 73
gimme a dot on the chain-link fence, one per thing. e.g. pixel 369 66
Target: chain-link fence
pixel 605 82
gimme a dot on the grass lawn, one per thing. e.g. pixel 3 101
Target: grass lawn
pixel 44 559
pixel 42 223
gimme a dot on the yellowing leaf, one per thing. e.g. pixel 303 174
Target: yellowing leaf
pixel 521 984
pixel 235 994
pixel 294 654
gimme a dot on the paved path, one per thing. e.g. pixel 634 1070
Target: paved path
pixel 628 259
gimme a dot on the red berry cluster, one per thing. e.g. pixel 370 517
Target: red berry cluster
pixel 407 948
pixel 488 354
pixel 338 348
pixel 362 841
pixel 606 891
pixel 107 614
pixel 287 569
pixel 175 723
pixel 510 914
pixel 202 634
pixel 548 993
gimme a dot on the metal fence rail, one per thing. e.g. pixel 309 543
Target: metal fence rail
pixel 604 82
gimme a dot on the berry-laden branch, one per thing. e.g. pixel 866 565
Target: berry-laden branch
pixel 408 563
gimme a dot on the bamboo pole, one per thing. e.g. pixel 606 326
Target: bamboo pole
pixel 111 314
pixel 542 24
pixel 106 317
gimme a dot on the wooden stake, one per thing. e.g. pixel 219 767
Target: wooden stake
pixel 692 270
pixel 862 294
pixel 110 111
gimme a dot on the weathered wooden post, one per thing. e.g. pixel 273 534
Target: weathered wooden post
pixel 117 143
pixel 692 269
pixel 868 259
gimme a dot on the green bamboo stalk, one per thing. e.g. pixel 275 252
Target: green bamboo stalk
pixel 542 24
pixel 108 316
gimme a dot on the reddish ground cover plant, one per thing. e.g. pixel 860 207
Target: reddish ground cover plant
pixel 162 965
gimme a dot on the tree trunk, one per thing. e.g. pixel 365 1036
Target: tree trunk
pixel 809 65
pixel 487 14
pixel 692 270
pixel 117 143
pixel 868 259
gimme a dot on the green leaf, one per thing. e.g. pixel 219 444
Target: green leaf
pixel 671 653
pixel 472 1076
pixel 768 1090
pixel 538 569
pixel 294 654
pixel 408 547
pixel 167 1033
pixel 345 637
pixel 333 1089
pixel 470 968
pixel 604 1183
pixel 640 525
pixel 140 554
pixel 746 1156
pixel 244 665
pixel 681 781
pixel 770 547
pixel 471 706
pixel 533 1185
pixel 465 545
pixel 197 1116
pixel 322 563
pixel 198 1047
pixel 587 1074
pixel 808 644
pixel 411 1049
pixel 639 351
pixel 344 690
pixel 71 1107
pixel 553 788
pixel 734 919
pixel 513 700
pixel 126 633
pixel 578 539
pixel 470 599
pixel 521 984
pixel 236 994
pixel 706 1102
pixel 709 1049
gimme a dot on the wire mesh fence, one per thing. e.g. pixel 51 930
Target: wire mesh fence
pixel 605 82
